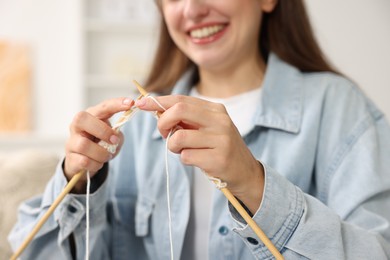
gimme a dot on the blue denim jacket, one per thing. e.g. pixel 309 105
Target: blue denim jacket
pixel 324 147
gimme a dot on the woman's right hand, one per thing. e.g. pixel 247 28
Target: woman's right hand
pixel 87 128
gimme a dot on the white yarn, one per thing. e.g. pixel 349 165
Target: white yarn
pixel 168 194
pixel 111 148
pixel 125 118
pixel 218 183
pixel 158 103
pixel 168 180
pixel 87 216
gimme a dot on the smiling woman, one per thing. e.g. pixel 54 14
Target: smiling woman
pixel 283 29
pixel 253 103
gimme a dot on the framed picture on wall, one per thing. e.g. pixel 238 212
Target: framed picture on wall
pixel 15 88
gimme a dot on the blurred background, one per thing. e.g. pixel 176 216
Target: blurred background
pixel 59 57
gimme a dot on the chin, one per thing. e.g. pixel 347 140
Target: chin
pixel 208 62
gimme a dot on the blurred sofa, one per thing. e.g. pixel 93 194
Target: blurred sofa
pixel 23 174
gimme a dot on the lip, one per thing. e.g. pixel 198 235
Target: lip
pixel 209 39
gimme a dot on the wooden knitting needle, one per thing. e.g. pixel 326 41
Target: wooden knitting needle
pixel 258 231
pixel 48 213
pixel 267 242
pixel 60 197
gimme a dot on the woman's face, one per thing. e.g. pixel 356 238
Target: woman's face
pixel 216 33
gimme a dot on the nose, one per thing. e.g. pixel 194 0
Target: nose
pixel 195 9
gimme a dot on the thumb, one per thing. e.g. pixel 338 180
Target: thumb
pixel 108 108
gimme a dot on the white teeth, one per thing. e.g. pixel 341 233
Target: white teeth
pixel 206 31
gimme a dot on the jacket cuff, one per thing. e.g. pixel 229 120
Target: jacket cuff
pixel 278 216
pixel 71 211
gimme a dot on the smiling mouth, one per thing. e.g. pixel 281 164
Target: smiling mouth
pixel 206 31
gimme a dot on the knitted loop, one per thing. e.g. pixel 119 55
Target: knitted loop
pixel 111 148
pixel 218 183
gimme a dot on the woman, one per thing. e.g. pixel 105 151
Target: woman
pixel 299 145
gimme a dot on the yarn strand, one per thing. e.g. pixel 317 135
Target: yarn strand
pixel 168 194
pixel 87 209
pixel 167 177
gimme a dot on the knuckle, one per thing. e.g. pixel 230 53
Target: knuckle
pixel 185 157
pixel 220 107
pixel 179 137
pixel 79 117
pixel 225 121
pixel 80 145
pixel 180 98
pixel 84 162
pixel 103 106
pixel 68 146
pixel 95 166
pixel 160 125
pixel 179 108
pixel 177 140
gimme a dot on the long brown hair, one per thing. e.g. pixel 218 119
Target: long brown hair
pixel 286 31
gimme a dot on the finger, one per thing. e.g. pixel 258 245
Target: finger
pixel 210 161
pixel 75 163
pixel 166 102
pixel 205 159
pixel 190 139
pixel 88 125
pixel 108 108
pixel 191 116
pixel 222 146
pixel 186 114
pixel 82 145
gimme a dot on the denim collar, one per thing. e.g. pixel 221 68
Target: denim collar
pixel 281 101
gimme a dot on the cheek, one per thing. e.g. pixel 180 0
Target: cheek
pixel 172 17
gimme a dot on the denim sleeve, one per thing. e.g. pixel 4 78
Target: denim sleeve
pixel 281 210
pixel 69 217
pixel 349 220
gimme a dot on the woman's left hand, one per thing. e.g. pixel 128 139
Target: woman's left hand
pixel 208 139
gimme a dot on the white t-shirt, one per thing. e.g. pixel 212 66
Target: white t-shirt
pixel 241 109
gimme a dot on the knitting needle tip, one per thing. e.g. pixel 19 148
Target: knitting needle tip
pixel 140 88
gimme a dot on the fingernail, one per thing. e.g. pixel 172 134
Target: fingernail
pixel 114 139
pixel 140 102
pixel 126 101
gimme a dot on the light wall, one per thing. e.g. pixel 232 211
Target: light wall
pixel 52 29
pixel 355 34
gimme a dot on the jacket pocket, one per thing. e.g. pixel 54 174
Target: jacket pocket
pixel 143 211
